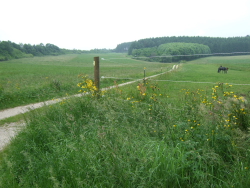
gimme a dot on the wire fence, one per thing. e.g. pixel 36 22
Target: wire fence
pixel 190 55
pixel 199 82
pixel 176 66
pixel 212 54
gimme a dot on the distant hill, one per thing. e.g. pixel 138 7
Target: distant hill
pixel 11 50
pixel 216 44
pixel 123 47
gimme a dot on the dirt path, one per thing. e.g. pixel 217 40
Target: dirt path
pixel 22 109
pixel 9 130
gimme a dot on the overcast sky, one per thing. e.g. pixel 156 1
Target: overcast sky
pixel 89 24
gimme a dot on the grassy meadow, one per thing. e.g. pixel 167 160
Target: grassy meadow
pixel 29 80
pixel 201 74
pixel 185 128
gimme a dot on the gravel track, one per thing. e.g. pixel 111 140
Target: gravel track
pixel 8 131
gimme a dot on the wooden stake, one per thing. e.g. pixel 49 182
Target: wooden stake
pixel 144 80
pixel 97 73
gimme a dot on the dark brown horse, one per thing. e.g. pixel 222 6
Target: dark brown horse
pixel 223 69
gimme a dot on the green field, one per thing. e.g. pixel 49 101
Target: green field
pixel 186 128
pixel 29 80
pixel 195 74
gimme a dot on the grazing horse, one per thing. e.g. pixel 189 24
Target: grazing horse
pixel 224 69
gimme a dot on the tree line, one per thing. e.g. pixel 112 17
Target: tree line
pixel 11 50
pixel 172 52
pixel 216 44
pixel 123 47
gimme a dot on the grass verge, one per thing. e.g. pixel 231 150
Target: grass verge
pixel 134 137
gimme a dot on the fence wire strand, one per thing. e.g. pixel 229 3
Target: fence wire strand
pixel 212 54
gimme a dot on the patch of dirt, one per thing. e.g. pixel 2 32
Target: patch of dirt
pixel 8 131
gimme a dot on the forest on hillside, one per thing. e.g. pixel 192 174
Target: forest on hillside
pixel 172 52
pixel 216 44
pixel 237 45
pixel 11 50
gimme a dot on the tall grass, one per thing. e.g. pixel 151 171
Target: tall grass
pixel 134 137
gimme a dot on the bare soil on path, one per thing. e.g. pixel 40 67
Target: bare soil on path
pixel 10 130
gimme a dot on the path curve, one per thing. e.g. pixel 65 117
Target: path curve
pixel 8 131
pixel 22 109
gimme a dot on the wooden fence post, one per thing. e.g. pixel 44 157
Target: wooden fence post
pixel 97 73
pixel 144 80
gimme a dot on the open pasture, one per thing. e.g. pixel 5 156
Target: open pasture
pixel 29 80
pixel 181 129
pixel 202 74
pixel 205 70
